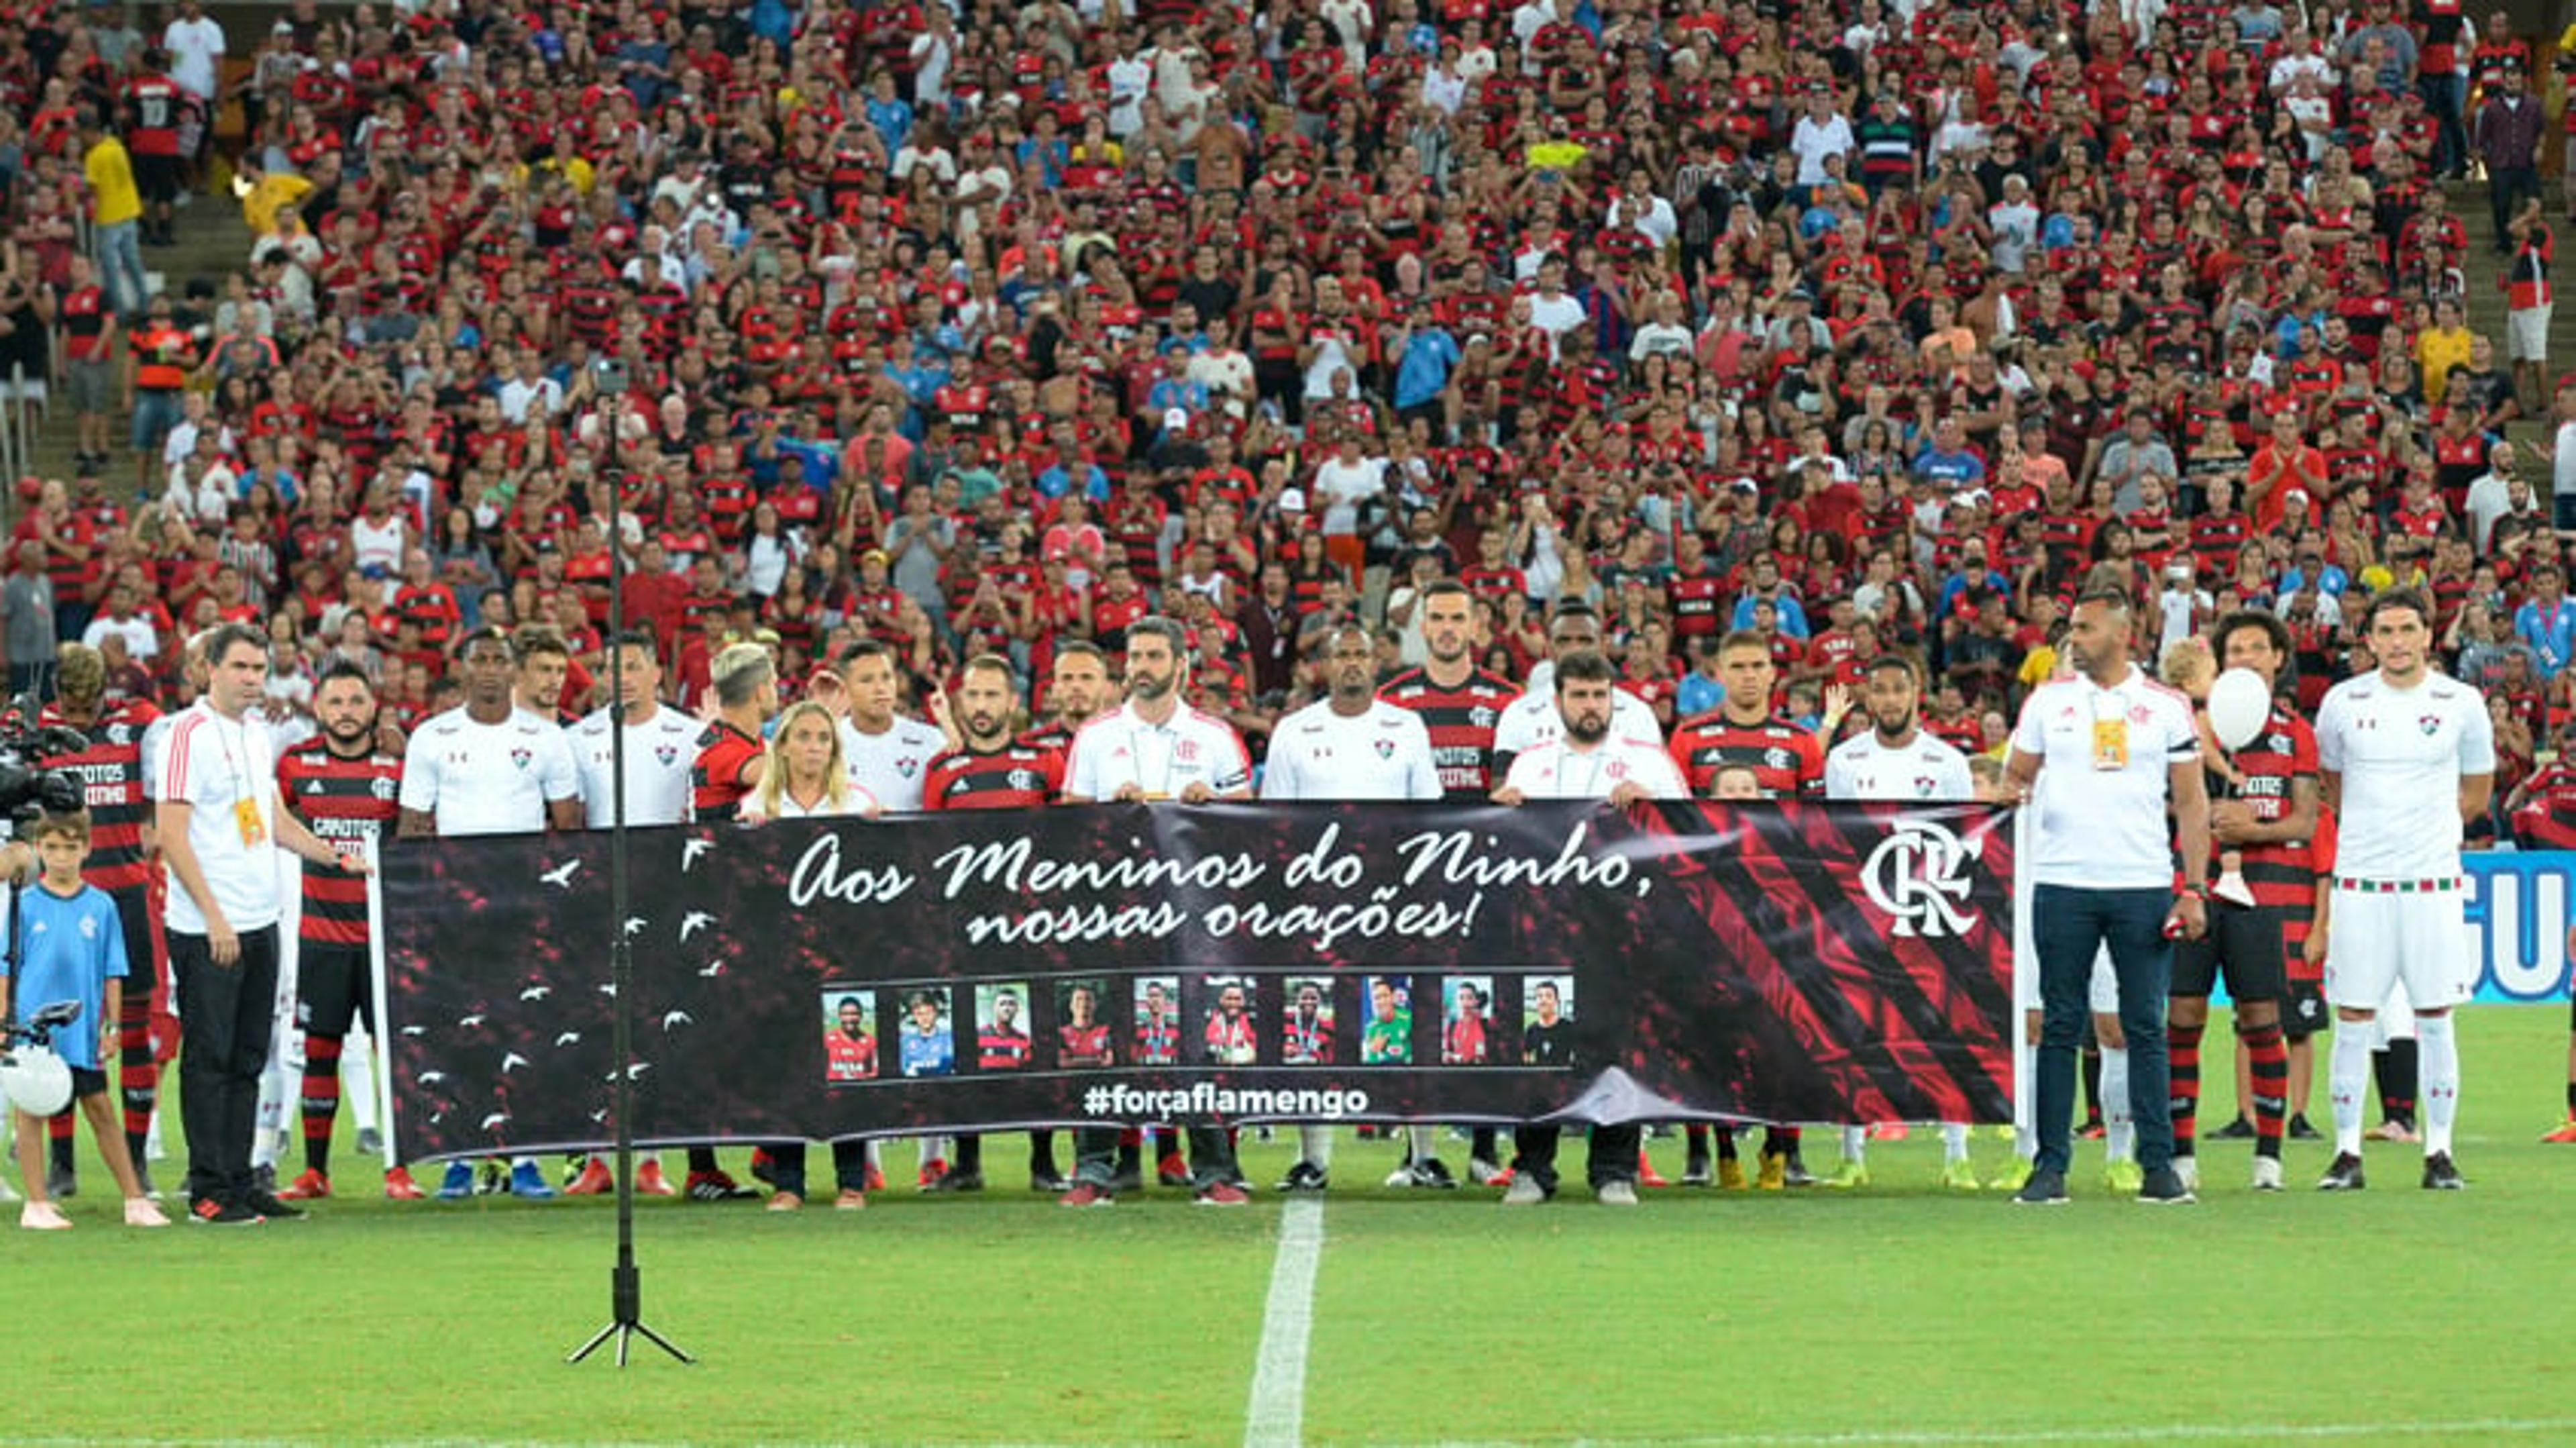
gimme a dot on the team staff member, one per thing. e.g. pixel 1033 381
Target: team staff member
pixel 1586 760
pixel 216 818
pixel 488 767
pixel 1349 745
pixel 2407 756
pixel 1460 705
pixel 993 771
pixel 112 785
pixel 2271 820
pixel 1534 717
pixel 2104 757
pixel 345 786
pixel 1153 748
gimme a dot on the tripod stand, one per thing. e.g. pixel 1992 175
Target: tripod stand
pixel 625 1280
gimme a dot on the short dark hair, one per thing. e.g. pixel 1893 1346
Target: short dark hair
pixel 1744 638
pixel 2410 599
pixel 343 669
pixel 1085 648
pixel 639 638
pixel 865 649
pixel 490 633
pixel 848 1001
pixel 2263 620
pixel 1446 588
pixel 228 637
pixel 2115 599
pixel 1167 629
pixel 1588 666
pixel 1894 659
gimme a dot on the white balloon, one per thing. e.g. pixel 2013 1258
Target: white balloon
pixel 2239 703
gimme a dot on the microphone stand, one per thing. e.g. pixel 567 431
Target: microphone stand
pixel 625 1280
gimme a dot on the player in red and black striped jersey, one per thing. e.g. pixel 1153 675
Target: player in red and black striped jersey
pixel 110 771
pixel 2268 819
pixel 347 791
pixel 993 771
pixel 730 754
pixel 1787 762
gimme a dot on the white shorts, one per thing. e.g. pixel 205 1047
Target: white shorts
pixel 2383 939
pixel 2526 334
pixel 2104 991
pixel 2395 1021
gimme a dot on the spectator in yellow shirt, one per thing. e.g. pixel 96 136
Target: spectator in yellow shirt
pixel 116 215
pixel 2440 347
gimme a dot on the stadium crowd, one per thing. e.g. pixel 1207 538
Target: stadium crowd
pixel 932 353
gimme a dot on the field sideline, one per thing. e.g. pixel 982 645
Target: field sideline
pixel 1897 1315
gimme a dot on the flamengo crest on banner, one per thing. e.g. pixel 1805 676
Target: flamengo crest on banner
pixel 1919 875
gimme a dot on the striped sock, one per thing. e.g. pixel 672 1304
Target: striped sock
pixel 138 1076
pixel 321 1100
pixel 2183 1043
pixel 2398 1070
pixel 58 1138
pixel 2269 1057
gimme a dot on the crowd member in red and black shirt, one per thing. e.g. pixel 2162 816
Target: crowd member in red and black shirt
pixel 993 771
pixel 730 755
pixel 1788 763
pixel 344 784
pixel 2269 818
pixel 110 772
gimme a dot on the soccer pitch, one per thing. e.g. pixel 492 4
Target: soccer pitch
pixel 1894 1315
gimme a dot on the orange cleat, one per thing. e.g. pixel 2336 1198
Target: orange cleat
pixel 595 1179
pixel 400 1187
pixel 2565 1133
pixel 1647 1176
pixel 931 1171
pixel 649 1181
pixel 311 1186
pixel 875 1177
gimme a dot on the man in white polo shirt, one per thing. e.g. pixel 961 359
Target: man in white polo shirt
pixel 1349 745
pixel 2405 754
pixel 2103 757
pixel 216 816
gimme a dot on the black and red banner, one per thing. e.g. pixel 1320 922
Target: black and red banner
pixel 828 979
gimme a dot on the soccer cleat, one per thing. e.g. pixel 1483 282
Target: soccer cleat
pixel 2122 1177
pixel 312 1185
pixel 1730 1174
pixel 594 1179
pixel 144 1212
pixel 875 1177
pixel 458 1183
pixel 1524 1192
pixel 650 1181
pixel 2343 1176
pixel 1889 1131
pixel 1171 1171
pixel 1616 1194
pixel 2239 1129
pixel 1432 1173
pixel 1047 1179
pixel 206 1211
pixel 60 1184
pixel 43 1217
pixel 1795 1172
pixel 2395 1128
pixel 930 1173
pixel 1773 1174
pixel 2267 1174
pixel 2044 1189
pixel 263 1180
pixel 1647 1176
pixel 957 1181
pixel 2014 1176
pixel 371 1142
pixel 1221 1194
pixel 850 1201
pixel 2565 1133
pixel 2188 1168
pixel 1697 1172
pixel 761 1169
pixel 2440 1175
pixel 2092 1129
pixel 1087 1194
pixel 1959 1174
pixel 716 1186
pixel 1486 1174
pixel 267 1205
pixel 528 1183
pixel 2301 1130
pixel 786 1202
pixel 1305 1176
pixel 400 1187
pixel 2231 887
pixel 1402 1176
pixel 2164 1187
pixel 1848 1174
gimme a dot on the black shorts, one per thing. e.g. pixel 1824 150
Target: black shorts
pixel 86 1081
pixel 333 985
pixel 156 178
pixel 2303 1010
pixel 2246 943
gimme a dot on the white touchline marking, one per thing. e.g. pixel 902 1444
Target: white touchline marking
pixel 1276 1415
pixel 2140 1433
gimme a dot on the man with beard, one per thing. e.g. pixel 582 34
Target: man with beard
pixel 343 786
pixel 1897 760
pixel 1460 705
pixel 1585 760
pixel 992 771
pixel 1535 718
pixel 1154 749
pixel 1349 745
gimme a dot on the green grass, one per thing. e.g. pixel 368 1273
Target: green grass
pixel 1895 1311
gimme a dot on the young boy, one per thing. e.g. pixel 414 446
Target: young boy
pixel 75 950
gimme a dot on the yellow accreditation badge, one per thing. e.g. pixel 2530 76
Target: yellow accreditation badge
pixel 2111 743
pixel 254 830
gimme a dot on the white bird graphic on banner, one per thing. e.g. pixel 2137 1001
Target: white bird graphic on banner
pixel 561 876
pixel 493 1121
pixel 676 1019
pixel 512 1062
pixel 415 1030
pixel 569 1038
pixel 599 1116
pixel 638 1069
pixel 635 926
pixel 467 1023
pixel 693 922
pixel 432 1078
pixel 714 969
pixel 609 989
pixel 536 992
pixel 689 853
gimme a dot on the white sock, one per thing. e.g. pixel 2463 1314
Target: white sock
pixel 2119 1128
pixel 1855 1143
pixel 876 1152
pixel 1421 1140
pixel 2348 1082
pixel 2437 1071
pixel 1954 1141
pixel 517 1162
pixel 1315 1145
pixel 358 1079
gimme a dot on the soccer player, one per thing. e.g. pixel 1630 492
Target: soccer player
pixel 1083 1039
pixel 1228 1034
pixel 2111 751
pixel 661 755
pixel 991 770
pixel 1788 762
pixel 2268 825
pixel 1460 705
pixel 730 760
pixel 1465 1036
pixel 111 774
pixel 1153 748
pixel 1585 760
pixel 489 767
pixel 344 785
pixel 1306 1037
pixel 888 754
pixel 217 820
pixel 849 1052
pixel 74 950
pixel 1895 759
pixel 1387 1040
pixel 2407 755
pixel 925 1046
pixel 1349 745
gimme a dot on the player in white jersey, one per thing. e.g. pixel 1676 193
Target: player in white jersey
pixel 1896 760
pixel 1586 761
pixel 2406 754
pixel 888 754
pixel 661 744
pixel 489 768
pixel 1348 745
pixel 1533 718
